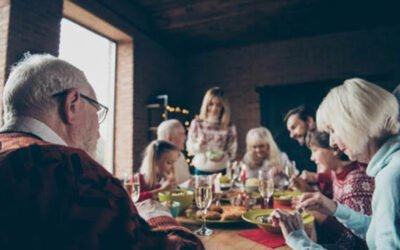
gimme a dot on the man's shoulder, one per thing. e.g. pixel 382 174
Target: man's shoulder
pixel 51 155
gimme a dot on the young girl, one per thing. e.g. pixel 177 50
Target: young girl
pixel 262 153
pixel 211 137
pixel 157 170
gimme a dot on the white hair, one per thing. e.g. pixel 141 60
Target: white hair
pixel 34 80
pixel 262 135
pixel 167 128
pixel 358 111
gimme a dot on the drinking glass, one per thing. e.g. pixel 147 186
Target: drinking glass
pixel 265 185
pixel 132 186
pixel 290 169
pixel 203 196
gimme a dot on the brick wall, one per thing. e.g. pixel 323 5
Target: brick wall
pixel 241 70
pixel 35 26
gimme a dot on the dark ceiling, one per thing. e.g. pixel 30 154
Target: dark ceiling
pixel 197 25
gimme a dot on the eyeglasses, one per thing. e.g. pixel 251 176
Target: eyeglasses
pixel 102 110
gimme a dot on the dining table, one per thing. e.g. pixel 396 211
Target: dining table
pixel 226 235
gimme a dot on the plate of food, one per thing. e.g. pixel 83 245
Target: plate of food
pixel 261 217
pixel 218 214
pixel 285 197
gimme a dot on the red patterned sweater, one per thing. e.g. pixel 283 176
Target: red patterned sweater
pixel 56 197
pixel 353 188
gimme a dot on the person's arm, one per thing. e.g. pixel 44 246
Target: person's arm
pixel 232 142
pixel 298 240
pixel 195 139
pixel 115 222
pixel 293 230
pixel 145 192
pixel 358 223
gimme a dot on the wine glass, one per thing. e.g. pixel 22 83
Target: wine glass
pixel 203 197
pixel 290 169
pixel 265 185
pixel 132 186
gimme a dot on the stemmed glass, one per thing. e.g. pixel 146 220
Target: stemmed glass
pixel 132 186
pixel 265 185
pixel 203 196
pixel 290 169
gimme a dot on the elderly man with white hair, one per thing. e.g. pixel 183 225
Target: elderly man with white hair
pixel 53 195
pixel 173 132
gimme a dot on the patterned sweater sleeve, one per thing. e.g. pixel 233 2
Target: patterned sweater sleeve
pixel 359 194
pixel 232 142
pixel 195 138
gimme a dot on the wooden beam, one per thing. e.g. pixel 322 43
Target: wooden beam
pixel 85 18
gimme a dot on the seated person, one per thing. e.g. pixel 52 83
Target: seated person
pixel 351 187
pixel 262 153
pixel 362 121
pixel 53 194
pixel 157 170
pixel 172 131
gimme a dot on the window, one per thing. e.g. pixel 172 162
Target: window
pixel 96 56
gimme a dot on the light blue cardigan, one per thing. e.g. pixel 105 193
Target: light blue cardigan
pixel 382 229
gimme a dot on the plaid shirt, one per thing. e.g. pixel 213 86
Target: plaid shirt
pixel 57 197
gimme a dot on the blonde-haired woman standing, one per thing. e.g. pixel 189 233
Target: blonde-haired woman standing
pixel 212 137
pixel 361 119
pixel 262 153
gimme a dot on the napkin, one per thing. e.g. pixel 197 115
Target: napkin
pixel 264 238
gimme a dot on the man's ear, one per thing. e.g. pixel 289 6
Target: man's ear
pixel 310 122
pixel 170 137
pixel 71 107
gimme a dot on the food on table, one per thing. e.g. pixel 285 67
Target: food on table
pixel 230 194
pixel 210 215
pixel 215 154
pixel 224 179
pixel 252 182
pixel 190 213
pixel 216 208
pixel 219 213
pixel 285 197
pixel 233 213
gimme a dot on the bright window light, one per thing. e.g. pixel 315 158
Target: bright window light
pixel 95 55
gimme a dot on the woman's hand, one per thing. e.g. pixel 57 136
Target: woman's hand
pixel 317 202
pixel 287 221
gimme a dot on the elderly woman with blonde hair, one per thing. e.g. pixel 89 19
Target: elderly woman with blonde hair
pixel 262 153
pixel 361 119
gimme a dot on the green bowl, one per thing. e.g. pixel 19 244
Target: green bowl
pixel 184 197
pixel 254 215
